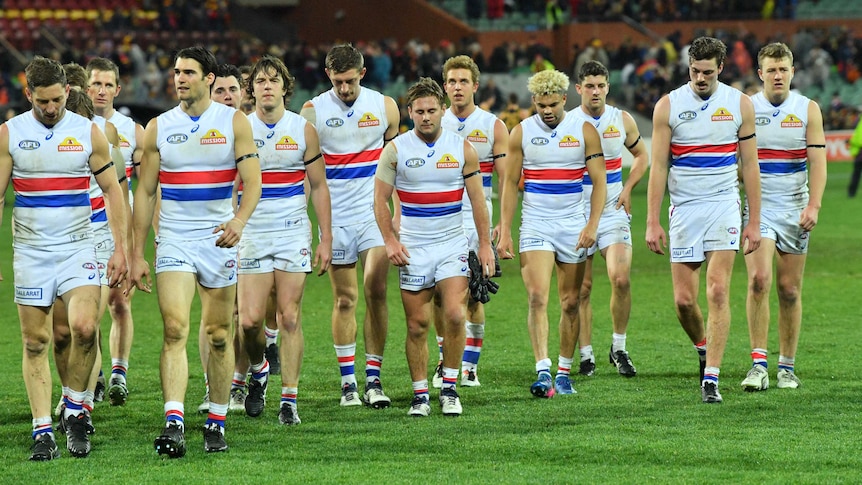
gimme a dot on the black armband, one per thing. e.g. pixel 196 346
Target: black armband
pixel 105 167
pixel 471 174
pixel 313 159
pixel 743 138
pixel 634 143
pixel 594 155
pixel 816 146
pixel 138 164
pixel 387 140
pixel 248 155
pixel 121 179
pixel 499 155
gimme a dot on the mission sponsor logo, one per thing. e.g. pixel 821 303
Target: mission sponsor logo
pixel 286 143
pixel 448 161
pixel 568 141
pixel 28 144
pixel 213 137
pixel 367 120
pixel 722 114
pixel 611 132
pixel 124 143
pixel 177 138
pixel 791 121
pixel 477 136
pixel 70 144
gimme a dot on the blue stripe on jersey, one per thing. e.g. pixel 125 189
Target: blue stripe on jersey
pixel 782 167
pixel 430 211
pixel 189 195
pixel 44 201
pixel 705 162
pixel 351 173
pixel 573 188
pixel 281 192
pixel 612 178
pixel 100 216
pixel 486 181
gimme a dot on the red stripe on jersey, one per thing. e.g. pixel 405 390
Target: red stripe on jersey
pixel 348 158
pixel 679 150
pixel 208 177
pixel 614 164
pixel 486 167
pixel 97 203
pixel 775 154
pixel 282 177
pixel 45 184
pixel 554 174
pixel 431 197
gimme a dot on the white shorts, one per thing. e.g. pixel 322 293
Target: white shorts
pixel 783 228
pixel 349 241
pixel 42 275
pixel 470 226
pixel 702 227
pixel 614 228
pixel 215 267
pixel 262 253
pixel 430 263
pixel 104 251
pixel 559 236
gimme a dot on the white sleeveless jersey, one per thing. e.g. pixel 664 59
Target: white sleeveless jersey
pixel 703 143
pixel 197 172
pixel 128 142
pixel 430 183
pixel 281 148
pixel 98 217
pixel 478 129
pixel 782 151
pixel 554 168
pixel 613 134
pixel 50 178
pixel 351 139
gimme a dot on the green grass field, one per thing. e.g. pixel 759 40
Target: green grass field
pixel 652 428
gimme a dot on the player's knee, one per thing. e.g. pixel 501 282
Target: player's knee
pixel 416 328
pixel 36 344
pixel 569 304
pixel 758 283
pixel 121 311
pixel 345 302
pixel 175 332
pixel 537 300
pixel 789 292
pixel 289 321
pixel 717 292
pixel 621 283
pixel 685 305
pixel 218 338
pixel 251 320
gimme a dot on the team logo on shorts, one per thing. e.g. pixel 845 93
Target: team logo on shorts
pixel 733 230
pixel 682 252
pixel 448 161
pixel 414 163
pixel 231 263
pixel 722 114
pixel 249 263
pixel 687 115
pixel 413 280
pixel 213 137
pixel 367 120
pixel 167 262
pixel 177 138
pixel 287 143
pixel 611 132
pixel 568 141
pixel 791 121
pixel 338 254
pixel 334 122
pixel 28 144
pixel 89 266
pixel 477 136
pixel 531 242
pixel 539 141
pixel 762 121
pixel 23 293
pixel 70 144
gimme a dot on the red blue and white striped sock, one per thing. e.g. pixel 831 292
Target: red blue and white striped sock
pixel 42 426
pixel 543 367
pixel 260 371
pixel 564 366
pixel 238 381
pixel 174 411
pixel 450 378
pixel 89 401
pixel 373 363
pixel 710 374
pixel 700 347
pixel 420 389
pixel 217 414
pixel 271 335
pixel 288 394
pixel 440 348
pixel 758 357
pixel 786 363
pixel 346 362
pixel 473 349
pixel 74 403
pixel 119 368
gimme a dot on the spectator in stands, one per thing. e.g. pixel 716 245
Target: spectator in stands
pixel 553 14
pixel 540 64
pixel 855 145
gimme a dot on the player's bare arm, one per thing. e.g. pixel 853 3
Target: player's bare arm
pixel 500 150
pixel 509 192
pixel 101 166
pixel 750 176
pixel 636 146
pixel 315 173
pixel 145 204
pixel 248 167
pixel 816 141
pixel 656 238
pixel 384 188
pixel 595 161
pixel 473 186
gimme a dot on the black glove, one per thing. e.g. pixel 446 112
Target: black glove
pixel 498 272
pixel 479 285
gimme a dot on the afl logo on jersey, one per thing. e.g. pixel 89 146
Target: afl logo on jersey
pixel 539 141
pixel 28 144
pixel 687 115
pixel 178 138
pixel 334 122
pixel 762 121
pixel 414 163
